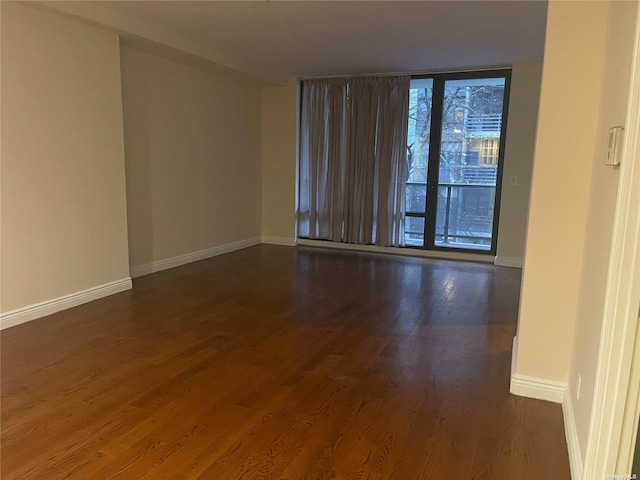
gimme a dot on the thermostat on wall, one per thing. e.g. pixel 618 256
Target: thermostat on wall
pixel 614 146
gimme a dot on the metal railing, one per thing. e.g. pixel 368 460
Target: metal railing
pixel 483 123
pixel 464 215
pixel 472 218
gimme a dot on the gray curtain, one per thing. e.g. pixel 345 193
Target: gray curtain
pixel 352 159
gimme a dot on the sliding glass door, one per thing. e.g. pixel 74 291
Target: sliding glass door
pixel 454 160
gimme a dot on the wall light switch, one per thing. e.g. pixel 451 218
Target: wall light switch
pixel 514 181
pixel 614 146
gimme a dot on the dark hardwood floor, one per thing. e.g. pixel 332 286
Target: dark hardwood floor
pixel 280 363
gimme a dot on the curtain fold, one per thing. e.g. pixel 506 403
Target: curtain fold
pixel 322 154
pixel 352 159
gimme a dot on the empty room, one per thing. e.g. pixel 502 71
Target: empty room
pixel 319 240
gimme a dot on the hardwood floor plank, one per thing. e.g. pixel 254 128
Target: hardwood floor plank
pixel 280 363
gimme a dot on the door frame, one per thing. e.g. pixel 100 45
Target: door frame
pixel 614 415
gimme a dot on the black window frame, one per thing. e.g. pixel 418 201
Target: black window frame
pixel 435 140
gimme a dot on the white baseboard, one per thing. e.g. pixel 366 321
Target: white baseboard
pixel 532 387
pixel 557 392
pixel 407 252
pixel 287 242
pixel 508 262
pixel 538 388
pixel 571 433
pixel 42 309
pixel 173 262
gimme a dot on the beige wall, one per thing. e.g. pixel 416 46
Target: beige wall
pixel 192 145
pixel 568 128
pixel 63 188
pixel 601 207
pixel 279 117
pixel 518 160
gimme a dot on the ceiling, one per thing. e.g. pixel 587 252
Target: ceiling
pixel 276 39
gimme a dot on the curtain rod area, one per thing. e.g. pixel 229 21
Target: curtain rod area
pixel 412 73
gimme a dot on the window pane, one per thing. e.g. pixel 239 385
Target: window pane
pixel 419 133
pixel 416 197
pixel 414 231
pixel 468 166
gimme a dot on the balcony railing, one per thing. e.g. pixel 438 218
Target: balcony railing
pixel 483 123
pixel 464 217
